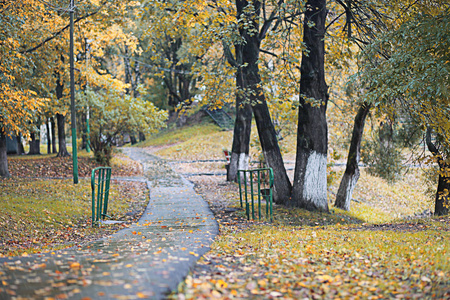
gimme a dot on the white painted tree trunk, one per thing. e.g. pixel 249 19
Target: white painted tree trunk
pixel 315 181
pixel 238 161
pixel 345 192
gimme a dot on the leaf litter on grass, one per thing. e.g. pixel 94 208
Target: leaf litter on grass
pixel 59 211
pixel 306 255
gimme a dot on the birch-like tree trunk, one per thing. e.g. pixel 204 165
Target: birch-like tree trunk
pixel 351 174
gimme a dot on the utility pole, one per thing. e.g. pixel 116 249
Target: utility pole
pixel 88 130
pixel 72 99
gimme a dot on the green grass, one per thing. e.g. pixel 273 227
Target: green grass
pixel 39 214
pixel 175 136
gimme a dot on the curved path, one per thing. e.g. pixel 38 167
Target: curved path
pixel 146 260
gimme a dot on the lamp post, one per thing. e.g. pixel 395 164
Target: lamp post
pixel 88 130
pixel 72 99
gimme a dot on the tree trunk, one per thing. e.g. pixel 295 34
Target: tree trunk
pixel 242 130
pixel 49 138
pixel 52 123
pixel 133 139
pixel 20 149
pixel 351 174
pixel 141 137
pixel 442 201
pixel 3 157
pixel 255 94
pixel 61 120
pixel 442 198
pixel 35 145
pixel 310 177
pixel 137 80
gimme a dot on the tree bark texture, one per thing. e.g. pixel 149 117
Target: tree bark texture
pixel 351 174
pixel 3 157
pixel 242 129
pixel 141 137
pixel 255 94
pixel 49 138
pixel 52 128
pixel 35 144
pixel 310 177
pixel 61 121
pixel 442 201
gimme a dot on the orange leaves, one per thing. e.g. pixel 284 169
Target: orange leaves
pixel 75 266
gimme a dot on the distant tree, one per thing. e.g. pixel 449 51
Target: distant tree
pixel 115 113
pixel 415 72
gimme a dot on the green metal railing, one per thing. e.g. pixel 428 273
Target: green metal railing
pixel 260 183
pixel 103 178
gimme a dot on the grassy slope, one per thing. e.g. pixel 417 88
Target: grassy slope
pixel 322 256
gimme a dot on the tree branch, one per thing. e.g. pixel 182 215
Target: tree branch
pixel 61 31
pixel 268 22
pixel 229 56
pixel 433 149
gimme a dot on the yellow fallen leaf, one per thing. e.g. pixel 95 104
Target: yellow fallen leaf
pixel 220 284
pixel 75 265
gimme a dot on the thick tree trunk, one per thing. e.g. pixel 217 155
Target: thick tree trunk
pixel 49 138
pixel 310 177
pixel 61 121
pixel 351 174
pixel 241 136
pixel 35 145
pixel 3 157
pixel 133 139
pixel 442 201
pixel 255 94
pixel 53 125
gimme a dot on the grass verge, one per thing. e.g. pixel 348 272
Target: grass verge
pixel 44 213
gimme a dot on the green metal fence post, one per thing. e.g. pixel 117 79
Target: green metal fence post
pixel 100 194
pixel 105 202
pixel 103 185
pixel 271 180
pixel 93 196
pixel 240 188
pixel 247 208
pixel 251 189
pixel 259 194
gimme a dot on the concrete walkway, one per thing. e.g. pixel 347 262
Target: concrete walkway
pixel 146 260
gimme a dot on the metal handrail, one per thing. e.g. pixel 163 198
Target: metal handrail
pixel 264 188
pixel 104 178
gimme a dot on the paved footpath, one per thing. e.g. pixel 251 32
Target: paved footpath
pixel 146 260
